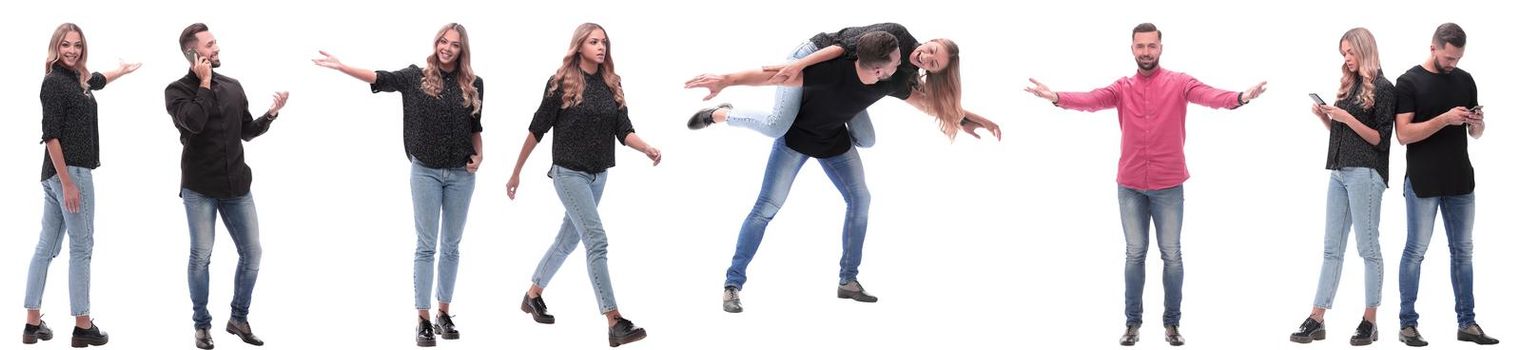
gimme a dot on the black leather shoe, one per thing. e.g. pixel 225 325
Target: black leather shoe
pixel 31 334
pixel 1411 337
pixel 1309 330
pixel 1473 333
pixel 732 300
pixel 854 291
pixel 1172 335
pixel 87 337
pixel 1365 334
pixel 703 118
pixel 425 333
pixel 624 332
pixel 203 339
pixel 535 307
pixel 241 329
pixel 443 325
pixel 1132 334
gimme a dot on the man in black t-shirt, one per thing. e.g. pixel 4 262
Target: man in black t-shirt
pixel 1437 108
pixel 834 91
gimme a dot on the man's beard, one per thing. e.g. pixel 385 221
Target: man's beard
pixel 1147 66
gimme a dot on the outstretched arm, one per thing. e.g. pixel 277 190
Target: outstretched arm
pixel 754 77
pixel 329 61
pixel 1099 99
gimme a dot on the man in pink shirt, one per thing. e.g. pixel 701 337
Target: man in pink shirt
pixel 1151 174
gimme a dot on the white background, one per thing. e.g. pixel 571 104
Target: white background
pixel 973 244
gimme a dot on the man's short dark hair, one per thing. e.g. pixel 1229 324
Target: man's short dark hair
pixel 1146 28
pixel 875 49
pixel 1451 34
pixel 188 36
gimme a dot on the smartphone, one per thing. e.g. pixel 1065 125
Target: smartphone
pixel 190 55
pixel 1317 98
pixel 1476 108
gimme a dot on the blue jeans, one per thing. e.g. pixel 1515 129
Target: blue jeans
pixel 776 122
pixel 1458 222
pixel 848 175
pixel 580 192
pixel 1352 202
pixel 242 222
pixel 1165 209
pixel 81 227
pixel 435 191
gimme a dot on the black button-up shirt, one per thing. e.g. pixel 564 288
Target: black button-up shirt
pixel 437 130
pixel 584 133
pixel 1346 149
pixel 213 124
pixel 69 115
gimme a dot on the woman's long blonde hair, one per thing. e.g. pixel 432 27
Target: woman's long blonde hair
pixel 433 80
pixel 1367 53
pixel 943 91
pixel 84 53
pixel 569 78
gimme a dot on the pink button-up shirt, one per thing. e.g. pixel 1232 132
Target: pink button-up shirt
pixel 1151 112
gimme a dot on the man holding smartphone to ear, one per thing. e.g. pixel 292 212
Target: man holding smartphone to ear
pixel 1432 119
pixel 211 112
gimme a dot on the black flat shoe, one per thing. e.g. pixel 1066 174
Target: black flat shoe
pixel 1131 335
pixel 703 118
pixel 443 326
pixel 31 334
pixel 1172 335
pixel 244 332
pixel 203 339
pixel 624 332
pixel 535 307
pixel 425 333
pixel 1309 330
pixel 87 337
pixel 1411 337
pixel 1365 334
pixel 1473 333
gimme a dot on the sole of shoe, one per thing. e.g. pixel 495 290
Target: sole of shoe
pixel 634 337
pixel 1362 342
pixel 427 343
pixel 734 310
pixel 440 331
pixel 1412 343
pixel 1474 339
pixel 80 343
pixel 1317 335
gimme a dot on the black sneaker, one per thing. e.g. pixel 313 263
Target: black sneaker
pixel 703 118
pixel 1411 337
pixel 1309 330
pixel 624 332
pixel 1473 333
pixel 732 300
pixel 425 333
pixel 87 337
pixel 854 291
pixel 1133 333
pixel 31 334
pixel 443 325
pixel 203 339
pixel 241 329
pixel 1172 335
pixel 1365 334
pixel 535 307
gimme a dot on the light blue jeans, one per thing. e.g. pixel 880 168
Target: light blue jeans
pixel 81 228
pixel 849 177
pixel 1164 209
pixel 436 191
pixel 1352 202
pixel 776 122
pixel 580 192
pixel 242 221
pixel 1458 222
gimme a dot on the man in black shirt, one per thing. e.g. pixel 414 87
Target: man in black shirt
pixel 1438 106
pixel 211 113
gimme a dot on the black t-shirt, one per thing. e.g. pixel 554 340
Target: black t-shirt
pixel 846 38
pixel 1438 165
pixel 832 95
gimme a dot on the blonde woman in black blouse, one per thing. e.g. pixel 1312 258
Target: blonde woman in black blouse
pixel 1358 154
pixel 71 132
pixel 584 104
pixel 441 127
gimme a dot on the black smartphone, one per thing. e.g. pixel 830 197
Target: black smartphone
pixel 1317 98
pixel 190 55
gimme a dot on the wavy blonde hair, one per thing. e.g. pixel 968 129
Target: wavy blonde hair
pixel 569 78
pixel 943 90
pixel 433 79
pixel 54 55
pixel 1362 43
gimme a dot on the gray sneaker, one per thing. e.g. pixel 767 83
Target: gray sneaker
pixel 732 300
pixel 853 290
